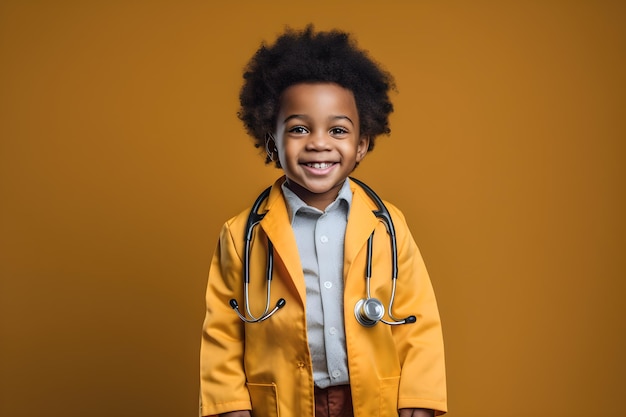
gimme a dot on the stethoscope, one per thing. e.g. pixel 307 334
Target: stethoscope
pixel 368 311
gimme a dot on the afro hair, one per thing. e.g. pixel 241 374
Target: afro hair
pixel 307 56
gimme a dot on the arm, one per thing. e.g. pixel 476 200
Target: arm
pixel 420 344
pixel 222 376
pixel 241 413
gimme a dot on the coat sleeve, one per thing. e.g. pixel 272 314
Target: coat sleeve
pixel 420 345
pixel 222 376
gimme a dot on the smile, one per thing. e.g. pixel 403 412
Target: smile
pixel 320 165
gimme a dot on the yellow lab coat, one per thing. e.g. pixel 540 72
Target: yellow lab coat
pixel 266 367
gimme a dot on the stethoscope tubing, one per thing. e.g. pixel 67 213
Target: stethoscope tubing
pixel 382 213
pixel 362 316
pixel 254 218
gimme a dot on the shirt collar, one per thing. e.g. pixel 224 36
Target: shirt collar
pixel 295 203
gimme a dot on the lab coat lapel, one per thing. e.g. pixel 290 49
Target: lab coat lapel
pixel 361 224
pixel 277 226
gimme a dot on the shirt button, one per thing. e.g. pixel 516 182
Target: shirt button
pixel 332 331
pixel 336 373
pixel 328 284
pixel 324 239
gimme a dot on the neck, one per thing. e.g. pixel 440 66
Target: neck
pixel 318 200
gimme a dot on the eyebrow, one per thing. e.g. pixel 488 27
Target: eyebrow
pixel 303 116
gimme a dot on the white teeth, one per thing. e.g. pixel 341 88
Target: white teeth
pixel 319 165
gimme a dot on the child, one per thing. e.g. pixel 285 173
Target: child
pixel 327 347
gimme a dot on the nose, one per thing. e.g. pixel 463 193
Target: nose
pixel 318 141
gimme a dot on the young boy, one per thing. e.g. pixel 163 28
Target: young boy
pixel 316 103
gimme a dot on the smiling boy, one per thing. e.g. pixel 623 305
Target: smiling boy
pixel 316 103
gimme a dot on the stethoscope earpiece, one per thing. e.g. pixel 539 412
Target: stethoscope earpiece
pixel 235 306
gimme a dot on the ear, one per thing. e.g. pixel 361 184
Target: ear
pixel 362 147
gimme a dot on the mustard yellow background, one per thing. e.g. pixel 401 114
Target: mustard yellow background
pixel 121 156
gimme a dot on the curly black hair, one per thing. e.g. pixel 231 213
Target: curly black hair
pixel 308 56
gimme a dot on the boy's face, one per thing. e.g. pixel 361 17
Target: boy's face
pixel 318 140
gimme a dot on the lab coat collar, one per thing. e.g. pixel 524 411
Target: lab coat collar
pixel 278 229
pixel 276 224
pixel 361 224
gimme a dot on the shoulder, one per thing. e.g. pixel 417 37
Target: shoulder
pixel 262 203
pixel 363 193
pixel 396 214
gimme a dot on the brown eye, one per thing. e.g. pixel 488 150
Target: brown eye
pixel 338 131
pixel 300 130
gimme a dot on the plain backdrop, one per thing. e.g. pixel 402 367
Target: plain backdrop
pixel 121 155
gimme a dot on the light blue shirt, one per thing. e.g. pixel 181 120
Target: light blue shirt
pixel 320 238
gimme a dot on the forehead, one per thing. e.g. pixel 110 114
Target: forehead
pixel 317 98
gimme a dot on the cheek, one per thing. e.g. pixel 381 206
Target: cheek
pixel 285 153
pixel 291 148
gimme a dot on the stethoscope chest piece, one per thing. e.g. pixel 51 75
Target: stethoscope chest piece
pixel 369 311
